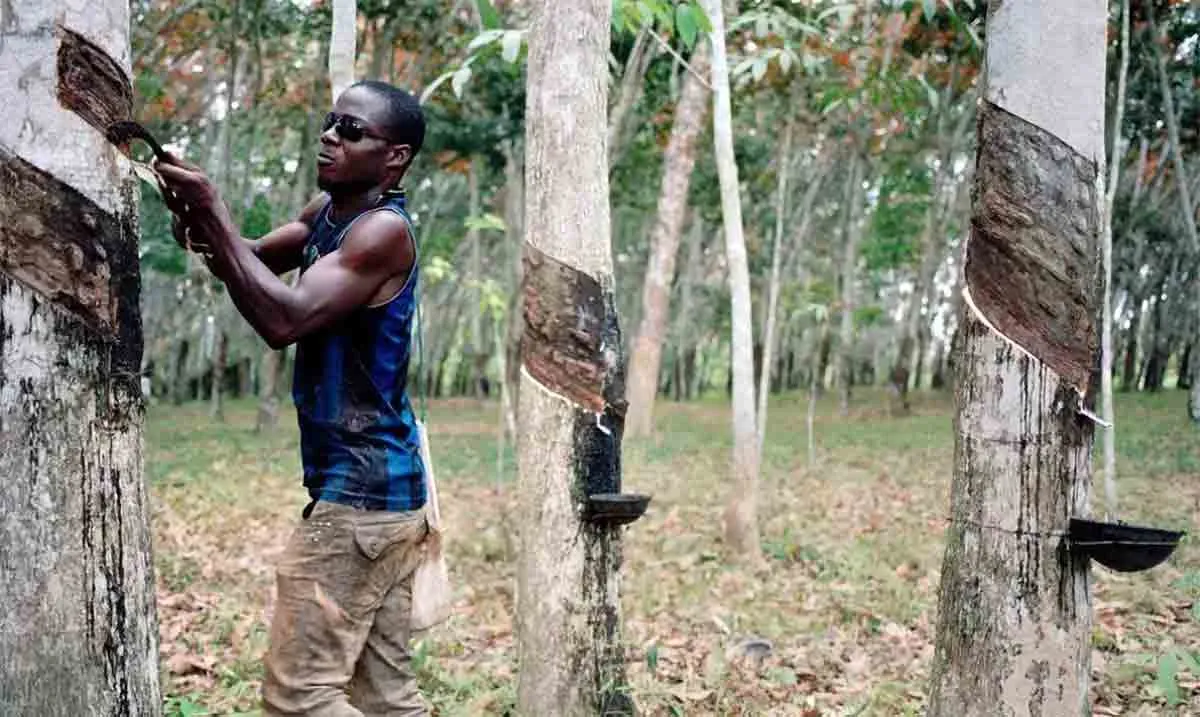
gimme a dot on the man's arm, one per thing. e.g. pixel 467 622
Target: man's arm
pixel 281 249
pixel 377 249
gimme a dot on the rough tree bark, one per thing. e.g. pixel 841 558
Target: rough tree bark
pixel 1013 635
pixel 741 514
pixel 678 163
pixel 77 631
pixel 571 398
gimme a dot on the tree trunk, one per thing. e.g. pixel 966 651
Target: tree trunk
pixel 678 163
pixel 937 380
pixel 684 348
pixel 1183 381
pixel 272 368
pixel 571 413
pixel 217 386
pixel 764 382
pixel 473 351
pixel 1129 375
pixel 234 58
pixel 77 631
pixel 849 269
pixel 823 350
pixel 1106 341
pixel 342 46
pixel 741 514
pixel 514 220
pixel 1014 611
pixel 179 373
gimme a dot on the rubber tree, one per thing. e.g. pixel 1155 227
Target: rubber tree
pixel 1014 610
pixel 1106 338
pixel 679 160
pixel 77 632
pixel 741 513
pixel 571 396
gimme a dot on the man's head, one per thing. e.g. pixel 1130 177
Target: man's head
pixel 370 138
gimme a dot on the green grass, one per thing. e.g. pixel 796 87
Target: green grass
pixel 847 596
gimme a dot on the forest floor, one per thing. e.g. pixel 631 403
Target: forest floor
pixel 847 597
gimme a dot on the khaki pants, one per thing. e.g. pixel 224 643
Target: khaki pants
pixel 339 638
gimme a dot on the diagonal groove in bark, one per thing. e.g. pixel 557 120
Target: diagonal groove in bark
pixel 1028 270
pixel 90 83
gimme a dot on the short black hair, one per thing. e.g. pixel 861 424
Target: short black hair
pixel 404 121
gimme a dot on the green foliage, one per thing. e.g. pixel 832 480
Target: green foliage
pixel 685 20
pixel 870 315
pixel 257 220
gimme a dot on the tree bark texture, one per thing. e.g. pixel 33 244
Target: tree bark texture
pixel 571 398
pixel 741 513
pixel 1013 635
pixel 678 162
pixel 77 631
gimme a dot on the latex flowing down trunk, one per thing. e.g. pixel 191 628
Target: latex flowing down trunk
pixel 572 398
pixel 1106 238
pixel 741 513
pixel 77 630
pixel 678 162
pixel 342 46
pixel 1014 610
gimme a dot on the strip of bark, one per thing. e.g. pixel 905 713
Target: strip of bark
pixel 90 83
pixel 58 242
pixel 566 319
pixel 1028 266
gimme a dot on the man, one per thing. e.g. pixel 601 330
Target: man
pixel 339 638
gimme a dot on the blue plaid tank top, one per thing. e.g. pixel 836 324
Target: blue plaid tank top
pixel 358 435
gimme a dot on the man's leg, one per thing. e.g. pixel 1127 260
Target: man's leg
pixel 384 680
pixel 339 565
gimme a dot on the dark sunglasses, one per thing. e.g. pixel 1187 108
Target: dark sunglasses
pixel 349 128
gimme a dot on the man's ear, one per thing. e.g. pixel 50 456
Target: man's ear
pixel 399 157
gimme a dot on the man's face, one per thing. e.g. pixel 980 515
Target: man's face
pixel 346 165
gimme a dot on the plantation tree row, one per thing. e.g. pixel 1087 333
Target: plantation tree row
pixel 853 130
